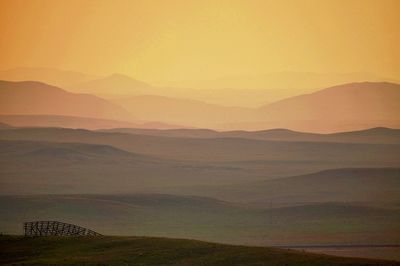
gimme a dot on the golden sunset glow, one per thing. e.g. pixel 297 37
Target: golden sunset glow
pixel 256 123
pixel 177 41
pixel 223 65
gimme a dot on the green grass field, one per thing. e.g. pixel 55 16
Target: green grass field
pixel 17 250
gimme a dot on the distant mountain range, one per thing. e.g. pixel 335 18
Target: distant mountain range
pixel 249 91
pixel 347 107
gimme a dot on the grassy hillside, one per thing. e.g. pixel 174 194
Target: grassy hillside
pixel 154 251
pixel 219 149
pixel 54 167
pixel 206 219
pixel 47 167
pixel 367 185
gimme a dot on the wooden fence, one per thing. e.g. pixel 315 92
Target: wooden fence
pixel 54 228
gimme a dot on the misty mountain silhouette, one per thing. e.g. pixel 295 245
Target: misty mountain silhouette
pixel 364 101
pixel 116 84
pixel 346 107
pixel 31 97
pixel 52 76
pixel 187 112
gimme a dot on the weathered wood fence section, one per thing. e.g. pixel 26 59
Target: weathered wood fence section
pixel 54 228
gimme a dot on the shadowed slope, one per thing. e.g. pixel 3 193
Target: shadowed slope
pixel 374 186
pixel 207 219
pixel 45 167
pixel 156 251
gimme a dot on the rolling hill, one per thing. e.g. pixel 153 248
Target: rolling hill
pixel 187 112
pixel 156 251
pixel 177 162
pixel 370 186
pixel 354 101
pixel 257 90
pixel 35 98
pixel 372 135
pixel 220 149
pixel 77 122
pixel 346 107
pixel 207 218
pixel 43 167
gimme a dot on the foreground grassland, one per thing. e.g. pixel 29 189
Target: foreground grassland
pixel 16 250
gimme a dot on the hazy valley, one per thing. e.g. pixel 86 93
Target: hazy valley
pixel 299 171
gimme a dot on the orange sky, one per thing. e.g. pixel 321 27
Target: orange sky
pixel 170 40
